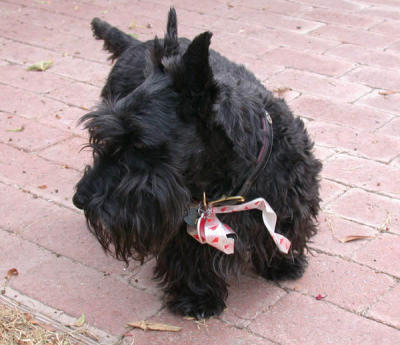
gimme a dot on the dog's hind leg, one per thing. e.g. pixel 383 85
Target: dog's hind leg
pixel 270 263
pixel 281 267
pixel 115 41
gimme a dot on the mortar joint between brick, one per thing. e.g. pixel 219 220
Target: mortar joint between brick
pixel 46 94
pixel 351 260
pixel 393 159
pixel 334 198
pixel 355 66
pixel 383 125
pixel 318 74
pixel 349 152
pixel 327 212
pixel 321 25
pixel 24 190
pixel 247 329
pixel 379 298
pixel 51 145
pixel 360 314
pixel 52 50
pixel 357 154
pixel 377 108
pixel 383 20
pixel 326 51
pixel 354 186
pixel 70 259
pixel 372 227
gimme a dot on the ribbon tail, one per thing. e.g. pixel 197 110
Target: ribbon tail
pixel 281 242
pixel 269 218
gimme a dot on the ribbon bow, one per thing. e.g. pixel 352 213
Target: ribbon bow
pixel 209 229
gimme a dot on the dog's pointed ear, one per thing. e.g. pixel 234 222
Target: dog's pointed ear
pixel 156 54
pixel 196 62
pixel 171 44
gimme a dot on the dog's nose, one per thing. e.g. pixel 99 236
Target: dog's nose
pixel 78 200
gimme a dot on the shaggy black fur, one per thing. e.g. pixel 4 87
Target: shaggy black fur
pixel 176 120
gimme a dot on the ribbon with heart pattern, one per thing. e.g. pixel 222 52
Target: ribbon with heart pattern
pixel 210 230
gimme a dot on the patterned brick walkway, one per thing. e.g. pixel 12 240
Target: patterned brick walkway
pixel 335 62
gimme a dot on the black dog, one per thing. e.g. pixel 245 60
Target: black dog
pixel 178 122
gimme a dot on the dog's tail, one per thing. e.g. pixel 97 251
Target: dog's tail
pixel 115 41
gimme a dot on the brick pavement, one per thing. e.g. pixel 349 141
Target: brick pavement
pixel 339 62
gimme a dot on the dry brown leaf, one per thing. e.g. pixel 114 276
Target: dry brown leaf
pixel 133 25
pixel 354 238
pixel 43 186
pixel 281 90
pixel 387 92
pixel 154 326
pixel 34 322
pixel 11 272
pixel 47 327
pixel 190 318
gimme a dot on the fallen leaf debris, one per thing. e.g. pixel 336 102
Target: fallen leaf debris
pixel 154 326
pixel 351 238
pixel 40 66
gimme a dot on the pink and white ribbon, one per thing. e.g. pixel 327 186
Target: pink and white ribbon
pixel 212 231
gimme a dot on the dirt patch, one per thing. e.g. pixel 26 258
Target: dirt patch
pixel 17 328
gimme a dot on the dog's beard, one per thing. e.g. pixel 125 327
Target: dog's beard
pixel 138 216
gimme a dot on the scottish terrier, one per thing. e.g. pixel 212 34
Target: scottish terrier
pixel 196 164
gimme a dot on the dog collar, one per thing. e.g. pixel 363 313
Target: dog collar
pixel 208 229
pixel 263 155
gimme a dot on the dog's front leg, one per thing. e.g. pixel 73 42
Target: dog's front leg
pixel 187 271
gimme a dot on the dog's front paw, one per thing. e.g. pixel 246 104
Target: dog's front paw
pixel 199 307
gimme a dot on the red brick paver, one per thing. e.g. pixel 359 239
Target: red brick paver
pixel 298 319
pixel 387 309
pixel 336 63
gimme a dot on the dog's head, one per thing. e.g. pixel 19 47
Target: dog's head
pixel 146 143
